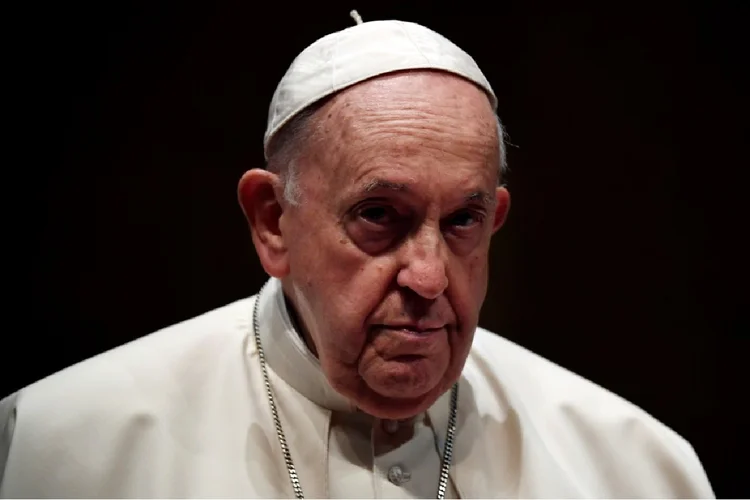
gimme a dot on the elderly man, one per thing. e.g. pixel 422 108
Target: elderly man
pixel 358 371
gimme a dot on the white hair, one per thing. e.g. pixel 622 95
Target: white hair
pixel 292 140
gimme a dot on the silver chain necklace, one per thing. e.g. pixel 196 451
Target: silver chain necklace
pixel 293 477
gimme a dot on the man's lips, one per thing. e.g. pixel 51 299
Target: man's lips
pixel 407 342
pixel 422 327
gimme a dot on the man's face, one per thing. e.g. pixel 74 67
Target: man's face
pixel 388 247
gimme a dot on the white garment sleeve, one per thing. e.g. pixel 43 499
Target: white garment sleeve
pixel 7 426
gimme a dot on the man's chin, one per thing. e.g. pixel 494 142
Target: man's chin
pixel 399 393
pixel 396 407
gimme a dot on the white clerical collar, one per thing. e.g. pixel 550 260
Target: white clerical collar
pixel 287 354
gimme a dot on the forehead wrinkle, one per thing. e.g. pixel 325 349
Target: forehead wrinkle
pixel 361 107
pixel 374 133
pixel 402 143
pixel 410 120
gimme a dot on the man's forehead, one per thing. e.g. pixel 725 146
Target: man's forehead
pixel 406 107
pixel 379 166
pixel 412 90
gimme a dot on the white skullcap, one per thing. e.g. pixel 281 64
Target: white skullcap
pixel 360 52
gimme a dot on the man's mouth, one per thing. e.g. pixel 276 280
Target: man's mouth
pixel 407 358
pixel 408 342
pixel 415 328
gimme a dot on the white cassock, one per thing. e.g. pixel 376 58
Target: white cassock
pixel 183 413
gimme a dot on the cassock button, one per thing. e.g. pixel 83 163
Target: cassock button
pixel 398 475
pixel 390 426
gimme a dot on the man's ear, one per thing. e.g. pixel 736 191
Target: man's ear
pixel 502 197
pixel 257 193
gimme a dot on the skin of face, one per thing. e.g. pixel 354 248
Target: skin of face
pixel 384 260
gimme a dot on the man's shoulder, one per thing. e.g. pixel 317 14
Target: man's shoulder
pixel 149 364
pixel 539 380
pixel 118 414
pixel 536 384
pixel 580 421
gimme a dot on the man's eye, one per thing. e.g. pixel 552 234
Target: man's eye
pixel 376 215
pixel 465 219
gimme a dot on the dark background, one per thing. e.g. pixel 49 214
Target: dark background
pixel 621 258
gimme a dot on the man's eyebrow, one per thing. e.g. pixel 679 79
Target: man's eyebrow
pixel 481 196
pixel 379 184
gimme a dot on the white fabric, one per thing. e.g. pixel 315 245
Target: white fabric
pixel 355 54
pixel 183 413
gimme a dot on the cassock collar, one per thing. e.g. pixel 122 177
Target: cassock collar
pixel 287 354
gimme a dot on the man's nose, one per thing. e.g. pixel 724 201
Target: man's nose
pixel 424 266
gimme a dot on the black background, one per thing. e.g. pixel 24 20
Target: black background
pixel 620 260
